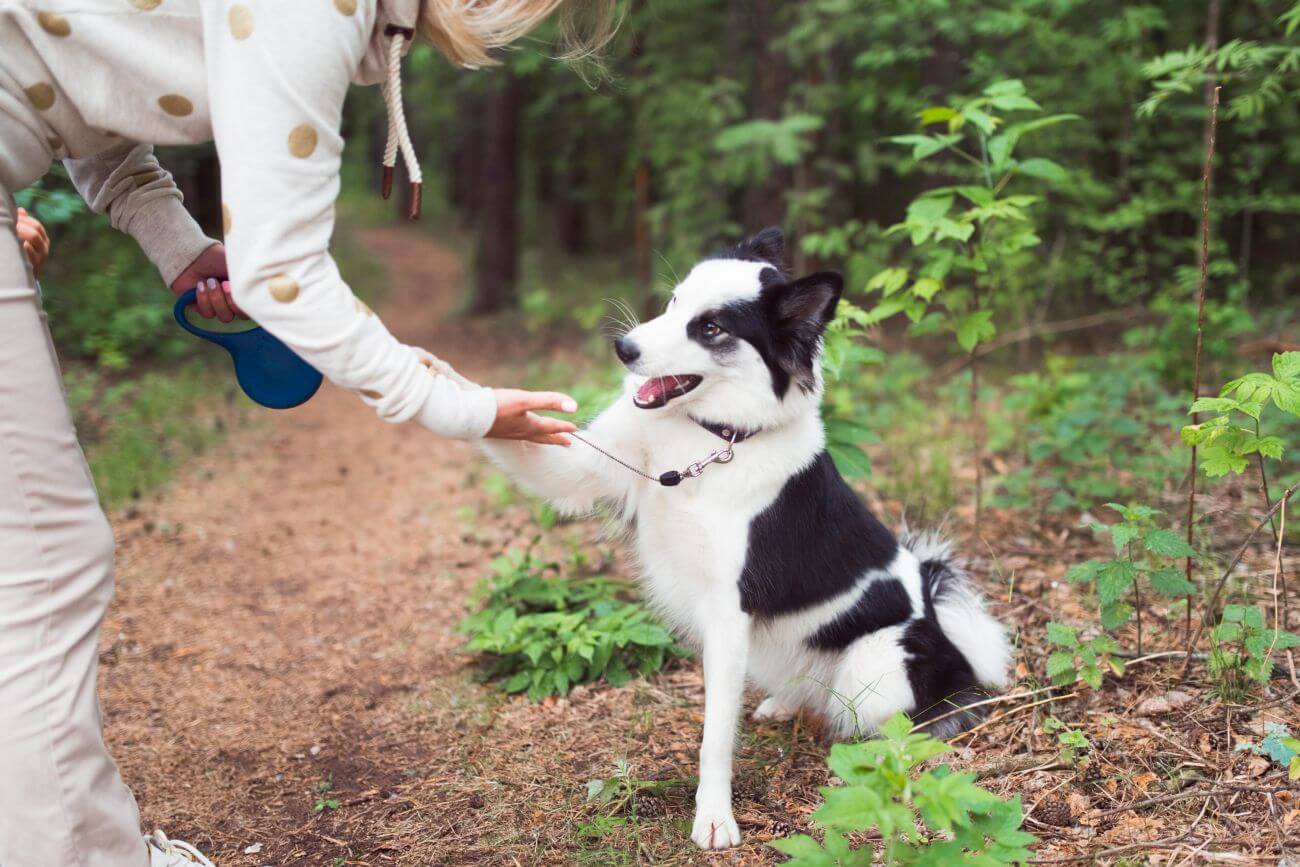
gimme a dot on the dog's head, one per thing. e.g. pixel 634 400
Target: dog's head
pixel 740 341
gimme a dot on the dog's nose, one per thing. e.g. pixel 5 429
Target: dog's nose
pixel 626 350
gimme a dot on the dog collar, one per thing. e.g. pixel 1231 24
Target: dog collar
pixel 727 432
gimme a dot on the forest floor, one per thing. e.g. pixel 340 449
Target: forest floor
pixel 282 682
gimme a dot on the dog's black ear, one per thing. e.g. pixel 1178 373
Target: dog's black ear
pixel 767 246
pixel 808 304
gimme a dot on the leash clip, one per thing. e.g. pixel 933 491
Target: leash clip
pixel 721 456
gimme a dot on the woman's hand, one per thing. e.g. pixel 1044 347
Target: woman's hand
pixel 517 419
pixel 208 276
pixel 36 243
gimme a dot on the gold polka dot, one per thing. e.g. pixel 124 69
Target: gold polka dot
pixel 373 395
pixel 41 95
pixel 54 24
pixel 302 140
pixel 284 288
pixel 146 5
pixel 241 21
pixel 175 105
pixel 56 143
pixel 347 7
pixel 363 307
pixel 225 219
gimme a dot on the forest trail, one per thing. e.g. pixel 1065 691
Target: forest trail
pixel 283 637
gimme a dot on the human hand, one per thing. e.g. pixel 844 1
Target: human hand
pixel 36 243
pixel 516 419
pixel 210 279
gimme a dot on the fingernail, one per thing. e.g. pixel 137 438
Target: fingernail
pixel 568 405
pixel 212 283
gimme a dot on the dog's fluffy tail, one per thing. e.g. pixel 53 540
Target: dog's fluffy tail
pixel 954 605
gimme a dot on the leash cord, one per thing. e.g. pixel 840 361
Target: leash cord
pixel 643 475
pixel 672 477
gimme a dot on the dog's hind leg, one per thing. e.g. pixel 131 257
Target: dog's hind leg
pixel 726 647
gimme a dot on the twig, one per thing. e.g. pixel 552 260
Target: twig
pixel 997 699
pixel 1207 176
pixel 1023 707
pixel 1227 573
pixel 1029 332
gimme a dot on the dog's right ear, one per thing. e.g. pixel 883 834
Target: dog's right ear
pixel 808 304
pixel 767 246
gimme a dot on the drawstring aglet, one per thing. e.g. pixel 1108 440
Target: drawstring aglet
pixel 386 185
pixel 417 193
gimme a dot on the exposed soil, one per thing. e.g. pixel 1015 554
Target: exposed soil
pixel 283 635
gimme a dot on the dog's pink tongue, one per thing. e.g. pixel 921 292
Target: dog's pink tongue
pixel 652 390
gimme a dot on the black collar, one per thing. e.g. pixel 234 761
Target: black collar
pixel 725 431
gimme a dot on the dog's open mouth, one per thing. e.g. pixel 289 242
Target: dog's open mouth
pixel 657 391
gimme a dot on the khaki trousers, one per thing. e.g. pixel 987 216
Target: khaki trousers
pixel 62 802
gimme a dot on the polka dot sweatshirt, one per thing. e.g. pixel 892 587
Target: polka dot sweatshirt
pixel 86 80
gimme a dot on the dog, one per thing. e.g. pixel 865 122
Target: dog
pixel 750 543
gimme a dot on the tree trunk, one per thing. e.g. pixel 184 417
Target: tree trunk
pixel 765 201
pixel 497 262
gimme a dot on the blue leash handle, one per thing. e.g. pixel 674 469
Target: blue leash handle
pixel 268 371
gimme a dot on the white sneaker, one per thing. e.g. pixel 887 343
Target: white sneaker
pixel 172 853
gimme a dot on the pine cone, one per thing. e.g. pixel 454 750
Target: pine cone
pixel 649 808
pixel 1089 774
pixel 1054 812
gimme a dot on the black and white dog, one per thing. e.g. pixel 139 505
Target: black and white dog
pixel 764 557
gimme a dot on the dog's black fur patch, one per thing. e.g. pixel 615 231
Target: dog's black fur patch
pixel 941 677
pixel 784 324
pixel 814 542
pixel 883 603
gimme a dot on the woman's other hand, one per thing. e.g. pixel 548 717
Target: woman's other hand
pixel 207 275
pixel 517 417
pixel 36 243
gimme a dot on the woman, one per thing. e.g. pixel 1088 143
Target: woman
pixel 83 81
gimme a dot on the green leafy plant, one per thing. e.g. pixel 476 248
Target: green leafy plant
pixel 1074 742
pixel 323 803
pixel 933 817
pixel 1144 554
pixel 1242 648
pixel 1077 659
pixel 1280 746
pixel 542 633
pixel 1224 444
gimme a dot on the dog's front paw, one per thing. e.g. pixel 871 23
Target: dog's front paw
pixel 715 829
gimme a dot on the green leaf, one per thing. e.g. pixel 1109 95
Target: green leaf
pixel 1115 615
pixel 804 851
pixel 850 460
pixel 1081 573
pixel 1043 169
pixel 1062 635
pixel 973 328
pixel 1114 580
pixel 1171 582
pixel 849 808
pixel 1167 543
pixel 1060 665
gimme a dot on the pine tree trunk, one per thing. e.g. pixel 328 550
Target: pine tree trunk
pixel 497 262
pixel 765 201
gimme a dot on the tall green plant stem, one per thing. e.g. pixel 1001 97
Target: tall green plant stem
pixel 1206 178
pixel 1227 573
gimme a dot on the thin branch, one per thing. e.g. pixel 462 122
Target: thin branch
pixel 1227 573
pixel 1207 176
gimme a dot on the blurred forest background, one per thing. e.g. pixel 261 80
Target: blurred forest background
pixel 1042 326
pixel 1082 124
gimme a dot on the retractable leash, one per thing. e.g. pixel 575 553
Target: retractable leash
pixel 268 371
pixel 673 478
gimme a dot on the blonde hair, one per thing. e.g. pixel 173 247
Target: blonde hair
pixel 466 31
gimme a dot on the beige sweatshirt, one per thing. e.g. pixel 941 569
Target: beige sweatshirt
pixel 85 80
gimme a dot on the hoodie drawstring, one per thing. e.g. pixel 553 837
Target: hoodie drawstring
pixel 398 135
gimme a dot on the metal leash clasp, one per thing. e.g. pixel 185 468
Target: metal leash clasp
pixel 721 456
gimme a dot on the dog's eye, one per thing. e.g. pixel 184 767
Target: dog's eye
pixel 711 329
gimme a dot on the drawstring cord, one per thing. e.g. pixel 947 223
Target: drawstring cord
pixel 398 135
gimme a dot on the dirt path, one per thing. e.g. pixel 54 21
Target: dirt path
pixel 284 623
